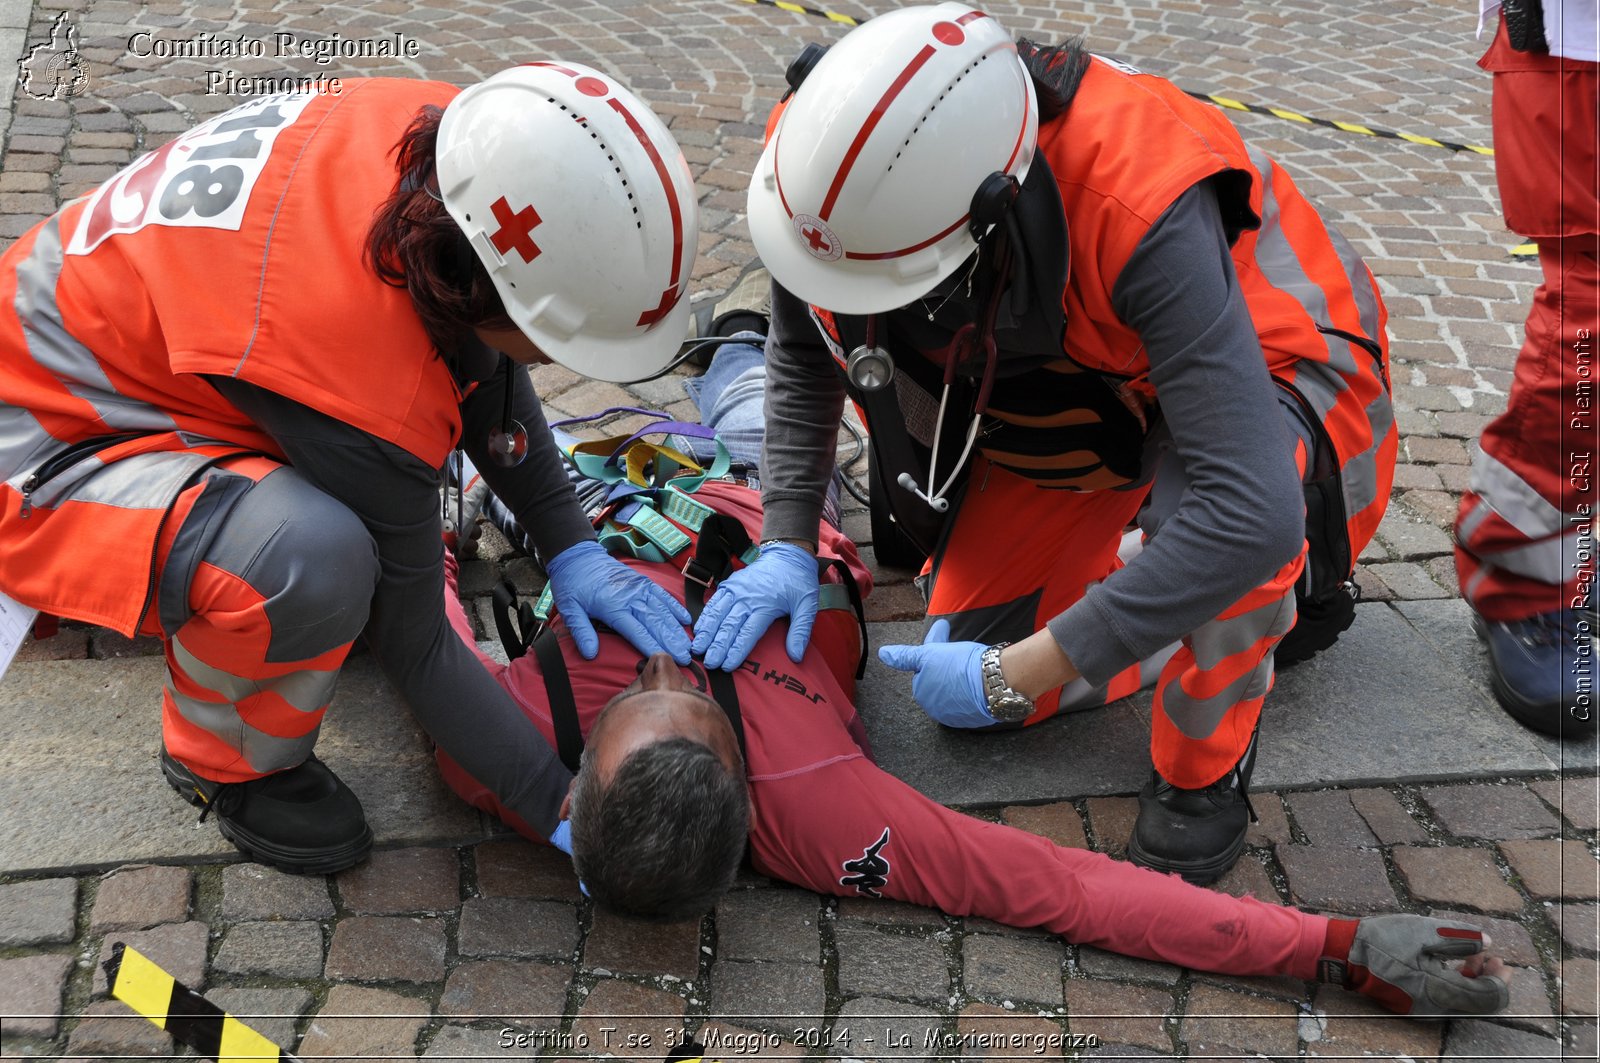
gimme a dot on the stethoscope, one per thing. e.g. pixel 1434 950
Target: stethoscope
pixel 871 368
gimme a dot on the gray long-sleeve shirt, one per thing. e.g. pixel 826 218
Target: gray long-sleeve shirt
pixel 1241 515
pixel 395 494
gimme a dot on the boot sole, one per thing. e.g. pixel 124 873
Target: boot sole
pixel 1194 872
pixel 288 859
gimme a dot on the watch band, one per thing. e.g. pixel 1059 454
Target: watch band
pixel 1006 705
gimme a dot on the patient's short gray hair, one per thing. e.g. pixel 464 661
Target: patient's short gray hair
pixel 663 841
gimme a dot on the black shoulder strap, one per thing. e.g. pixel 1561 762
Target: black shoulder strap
pixel 853 589
pixel 563 706
pixel 515 634
pixel 726 694
pixel 722 538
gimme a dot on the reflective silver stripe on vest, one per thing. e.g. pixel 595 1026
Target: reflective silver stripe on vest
pixel 1360 479
pixel 1512 497
pixel 1542 562
pixel 1281 266
pixel 140 481
pixel 60 353
pixel 1322 384
pixel 1218 640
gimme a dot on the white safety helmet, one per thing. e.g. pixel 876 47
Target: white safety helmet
pixel 579 203
pixel 861 201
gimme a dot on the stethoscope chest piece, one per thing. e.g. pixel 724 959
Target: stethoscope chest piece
pixel 870 368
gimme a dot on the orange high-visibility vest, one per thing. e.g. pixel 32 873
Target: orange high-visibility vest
pixel 233 250
pixel 1129 146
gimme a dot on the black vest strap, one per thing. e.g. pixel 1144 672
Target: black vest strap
pixel 516 634
pixel 563 706
pixel 722 538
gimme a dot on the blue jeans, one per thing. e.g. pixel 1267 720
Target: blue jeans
pixel 731 395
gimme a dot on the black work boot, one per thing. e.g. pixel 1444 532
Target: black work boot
pixel 1197 833
pixel 302 820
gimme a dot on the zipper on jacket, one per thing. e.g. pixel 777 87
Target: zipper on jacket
pixel 63 460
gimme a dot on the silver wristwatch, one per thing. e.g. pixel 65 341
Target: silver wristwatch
pixel 1005 704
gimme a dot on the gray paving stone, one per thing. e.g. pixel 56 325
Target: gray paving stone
pixel 1117 1013
pixel 1384 681
pixel 463 1042
pixel 888 1030
pixel 768 996
pixel 357 1021
pixel 30 994
pixel 881 912
pixel 1218 1020
pixel 779 925
pixel 523 994
pixel 1352 881
pixel 1272 825
pixel 403 881
pixel 273 1013
pixel 1579 926
pixel 280 950
pixel 515 867
pixel 1014 969
pixel 1386 818
pixel 987 1032
pixel 177 948
pixel 1455 877
pixel 1112 820
pixel 252 892
pixel 1530 1004
pixel 38 913
pixel 871 962
pixel 1059 822
pixel 1476 1039
pixel 133 898
pixel 1098 963
pixel 1576 797
pixel 517 928
pixel 1345 1024
pixel 619 945
pixel 1477 810
pixel 370 948
pixel 1328 819
pixel 65 717
pixel 623 1019
pixel 111 1028
pixel 1554 869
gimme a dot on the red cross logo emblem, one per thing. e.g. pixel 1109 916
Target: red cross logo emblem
pixel 515 229
pixel 816 238
pixel 669 299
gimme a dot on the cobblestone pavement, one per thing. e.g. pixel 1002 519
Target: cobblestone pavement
pixel 438 950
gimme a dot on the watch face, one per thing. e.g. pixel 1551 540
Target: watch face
pixel 1010 709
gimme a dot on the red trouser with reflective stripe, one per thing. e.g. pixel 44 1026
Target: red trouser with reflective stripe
pixel 1055 544
pixel 257 607
pixel 1524 533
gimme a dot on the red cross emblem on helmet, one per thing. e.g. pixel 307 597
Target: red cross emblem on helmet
pixel 816 238
pixel 515 232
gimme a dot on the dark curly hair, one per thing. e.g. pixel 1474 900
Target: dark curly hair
pixel 1057 70
pixel 414 244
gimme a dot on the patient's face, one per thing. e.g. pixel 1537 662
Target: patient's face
pixel 662 703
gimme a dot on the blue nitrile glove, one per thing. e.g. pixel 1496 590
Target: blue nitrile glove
pixel 561 837
pixel 586 582
pixel 949 677
pixel 781 582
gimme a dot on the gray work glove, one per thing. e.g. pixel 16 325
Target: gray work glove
pixel 1401 961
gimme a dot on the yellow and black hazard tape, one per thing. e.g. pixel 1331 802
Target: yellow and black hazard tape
pixel 189 1017
pixel 1221 101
